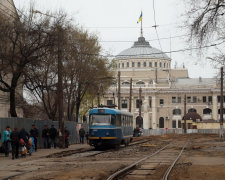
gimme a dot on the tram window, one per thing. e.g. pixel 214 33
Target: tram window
pixel 100 119
pixel 113 119
pixel 118 122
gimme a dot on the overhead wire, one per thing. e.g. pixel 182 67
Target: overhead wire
pixel 156 25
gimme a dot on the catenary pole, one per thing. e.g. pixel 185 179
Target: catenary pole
pixel 130 99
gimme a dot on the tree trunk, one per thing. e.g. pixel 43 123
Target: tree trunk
pixel 13 103
pixel 77 108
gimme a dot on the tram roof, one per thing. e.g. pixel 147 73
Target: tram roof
pixel 109 111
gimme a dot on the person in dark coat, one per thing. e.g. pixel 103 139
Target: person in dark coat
pixel 34 133
pixel 82 134
pixel 53 136
pixel 45 136
pixel 24 135
pixel 87 135
pixel 15 143
pixel 66 136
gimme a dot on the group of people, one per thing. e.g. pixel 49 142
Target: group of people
pixel 19 140
pixel 23 142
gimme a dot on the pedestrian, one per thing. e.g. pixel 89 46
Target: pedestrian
pixel 24 135
pixel 82 134
pixel 15 143
pixel 34 133
pixel 87 135
pixel 45 136
pixel 66 136
pixel 6 140
pixel 53 135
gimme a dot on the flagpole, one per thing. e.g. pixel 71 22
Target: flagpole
pixel 141 26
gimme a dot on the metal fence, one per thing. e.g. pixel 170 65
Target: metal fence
pixel 148 132
pixel 71 126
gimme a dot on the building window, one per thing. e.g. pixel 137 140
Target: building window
pixel 125 83
pixel 150 103
pixel 139 64
pixel 192 110
pixel 189 99
pixel 204 99
pixel 138 103
pixel 133 64
pixel 127 64
pixel 194 99
pixel 210 99
pixel 144 64
pixel 150 64
pixel 207 111
pixel 173 99
pixel 174 124
pixel 109 102
pixel 161 122
pixel 161 101
pixel 164 65
pixel 176 112
pixel 218 99
pixel 124 103
pixel 179 123
pixel 179 99
pixel 122 65
pixel 155 64
pixel 140 82
pixel 119 65
pixel 160 64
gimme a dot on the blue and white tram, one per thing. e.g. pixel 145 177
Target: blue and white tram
pixel 110 127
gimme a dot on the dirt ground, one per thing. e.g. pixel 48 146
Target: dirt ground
pixel 203 158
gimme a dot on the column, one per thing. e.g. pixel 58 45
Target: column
pixel 154 111
pixel 146 121
pixel 214 109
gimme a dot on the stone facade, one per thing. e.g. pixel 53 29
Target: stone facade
pixel 162 88
pixel 7 8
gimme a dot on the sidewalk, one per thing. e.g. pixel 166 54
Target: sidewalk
pixel 6 162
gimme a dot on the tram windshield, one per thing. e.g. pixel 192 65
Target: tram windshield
pixel 97 119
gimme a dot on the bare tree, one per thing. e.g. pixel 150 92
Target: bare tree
pixel 22 42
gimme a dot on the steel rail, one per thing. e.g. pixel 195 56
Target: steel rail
pixel 116 174
pixel 174 162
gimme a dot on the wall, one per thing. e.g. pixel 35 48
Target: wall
pixel 27 123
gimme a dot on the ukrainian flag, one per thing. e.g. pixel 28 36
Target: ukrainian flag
pixel 140 18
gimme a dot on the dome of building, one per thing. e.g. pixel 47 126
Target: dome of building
pixel 192 116
pixel 142 49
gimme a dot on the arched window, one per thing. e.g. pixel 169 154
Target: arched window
pixel 133 64
pixel 127 64
pixel 164 65
pixel 161 122
pixel 122 65
pixel 139 64
pixel 140 82
pixel 125 83
pixel 207 111
pixel 177 112
pixel 223 111
pixel 155 64
pixel 150 64
pixel 144 64
pixel 160 64
pixel 192 110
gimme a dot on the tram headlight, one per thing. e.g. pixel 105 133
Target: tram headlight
pixel 107 133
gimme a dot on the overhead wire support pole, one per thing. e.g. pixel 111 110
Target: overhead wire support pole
pixel 221 107
pixel 185 111
pixel 130 100
pixel 140 101
pixel 119 90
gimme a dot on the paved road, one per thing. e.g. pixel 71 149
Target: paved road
pixel 10 168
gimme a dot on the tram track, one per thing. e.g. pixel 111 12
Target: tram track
pixel 146 167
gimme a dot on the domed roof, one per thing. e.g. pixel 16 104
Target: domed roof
pixel 142 49
pixel 192 116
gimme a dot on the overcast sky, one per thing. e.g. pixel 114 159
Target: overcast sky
pixel 115 23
